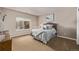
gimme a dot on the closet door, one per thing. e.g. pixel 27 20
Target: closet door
pixel 78 26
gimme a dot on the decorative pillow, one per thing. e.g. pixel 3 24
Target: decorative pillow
pixel 45 27
pixel 49 26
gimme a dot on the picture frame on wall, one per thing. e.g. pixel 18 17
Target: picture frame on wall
pixel 50 17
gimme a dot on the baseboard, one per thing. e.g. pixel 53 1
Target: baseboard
pixel 19 35
pixel 66 37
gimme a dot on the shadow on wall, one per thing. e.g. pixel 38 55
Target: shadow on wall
pixel 66 31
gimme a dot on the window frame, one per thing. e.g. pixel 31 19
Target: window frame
pixel 24 19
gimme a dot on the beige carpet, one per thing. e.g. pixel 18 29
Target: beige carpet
pixel 27 43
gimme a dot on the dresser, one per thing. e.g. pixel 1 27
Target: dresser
pixel 5 42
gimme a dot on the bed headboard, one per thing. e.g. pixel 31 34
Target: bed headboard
pixel 54 25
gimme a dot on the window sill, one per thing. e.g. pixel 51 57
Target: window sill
pixel 22 29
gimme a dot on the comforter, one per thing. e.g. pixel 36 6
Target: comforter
pixel 43 35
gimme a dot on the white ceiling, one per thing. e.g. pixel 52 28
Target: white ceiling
pixel 33 10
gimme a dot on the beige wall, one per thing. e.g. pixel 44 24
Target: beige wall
pixel 77 26
pixel 10 22
pixel 66 21
pixel 64 17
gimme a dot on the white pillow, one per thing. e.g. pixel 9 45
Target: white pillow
pixel 49 26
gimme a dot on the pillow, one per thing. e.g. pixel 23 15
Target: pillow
pixel 49 26
pixel 44 27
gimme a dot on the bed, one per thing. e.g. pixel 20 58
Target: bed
pixel 44 34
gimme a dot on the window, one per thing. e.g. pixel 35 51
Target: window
pixel 22 23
